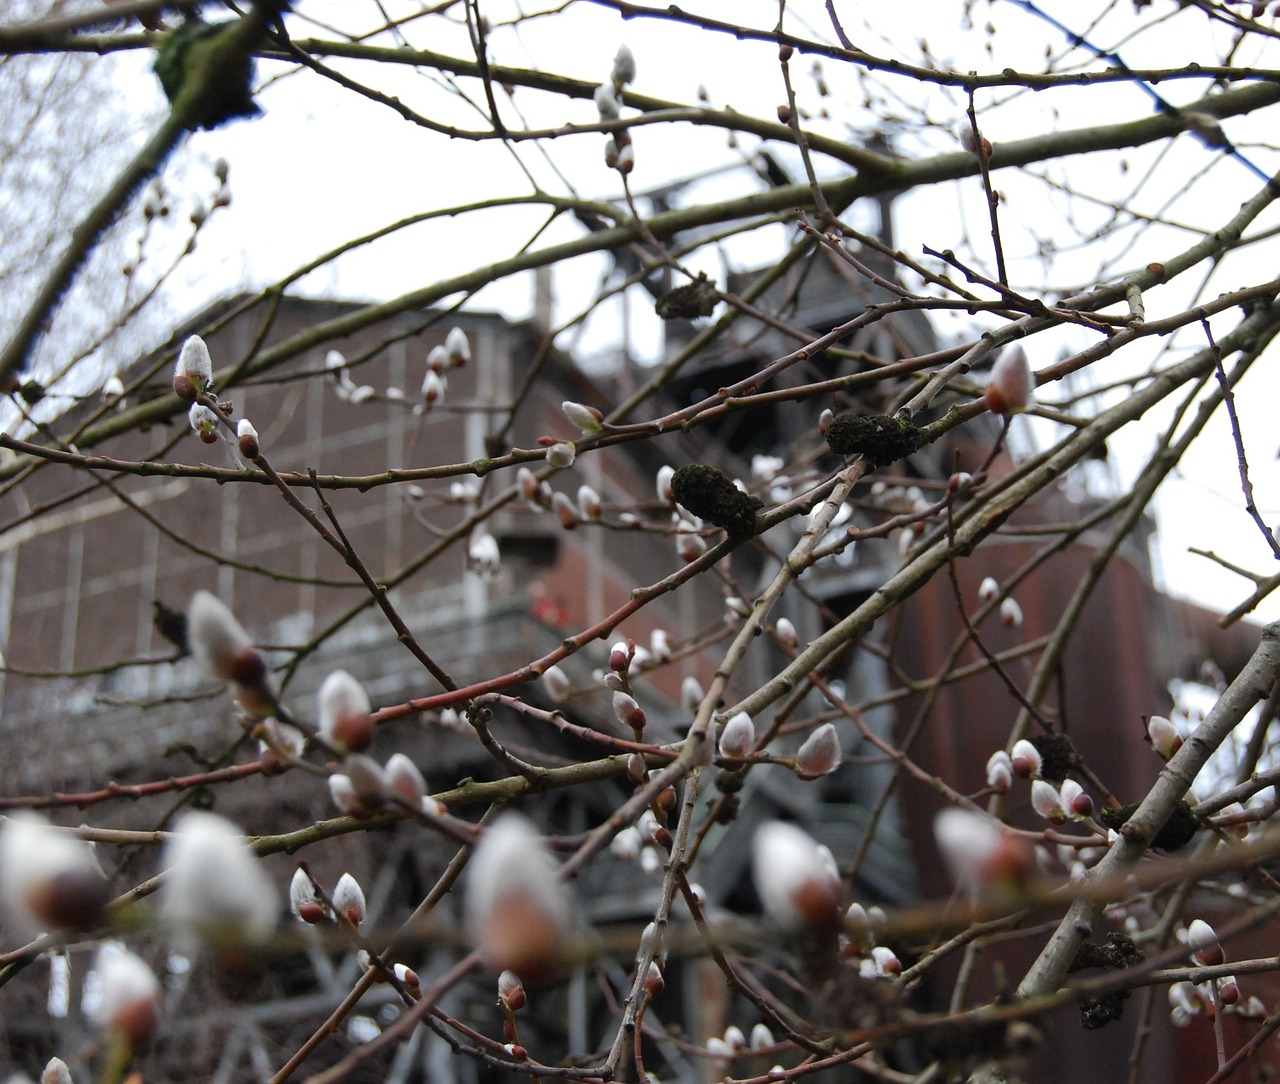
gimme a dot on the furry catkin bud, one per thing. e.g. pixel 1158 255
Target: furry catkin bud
pixel 587 418
pixel 561 455
pixel 1012 387
pixel 1078 804
pixel 1047 802
pixel 738 738
pixel 690 693
pixel 223 650
pixel 1203 942
pixel 304 901
pixel 565 511
pixel 1026 759
pixel 1164 736
pixel 516 906
pixel 214 884
pixel 1000 772
pixel 434 387
pixel 982 856
pixel 348 899
pixel 589 506
pixel 193 373
pixel 796 884
pixel 49 879
pixel 458 347
pixel 607 103
pixel 665 475
pixel 247 439
pixel 624 67
pixel 820 754
pixel 204 422
pixel 129 996
pixel 56 1072
pixel 556 683
pixel 343 792
pixel 628 712
pixel 404 780
pixel 511 993
pixel 344 713
pixel 620 657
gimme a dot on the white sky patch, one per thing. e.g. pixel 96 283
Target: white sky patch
pixel 325 165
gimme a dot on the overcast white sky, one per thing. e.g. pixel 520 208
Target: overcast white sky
pixel 322 167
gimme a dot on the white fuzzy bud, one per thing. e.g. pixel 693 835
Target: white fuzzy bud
pixel 624 67
pixel 247 439
pixel 626 844
pixel 56 1072
pixel 786 633
pixel 1078 804
pixel 193 372
pixel 665 475
pixel 203 421
pixel 128 995
pixel 223 650
pixel 348 899
pixel 556 682
pixel 1000 772
pixel 1047 802
pixel 587 418
pixel 304 900
pixel 1164 736
pixel 343 710
pixel 483 557
pixel 589 506
pixel 1012 388
pixel 691 693
pixel 738 738
pixel 561 455
pixel 434 387
pixel 457 346
pixel 1025 759
pixel 794 879
pixel 566 511
pixel 1203 942
pixel 511 993
pixel 982 855
pixel 607 102
pixel 627 711
pixel 820 753
pixel 49 879
pixel 214 884
pixel 405 780
pixel 516 906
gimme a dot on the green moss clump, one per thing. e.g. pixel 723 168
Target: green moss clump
pixel 1176 833
pixel 1120 952
pixel 191 52
pixel 710 496
pixel 879 438
pixel 1057 756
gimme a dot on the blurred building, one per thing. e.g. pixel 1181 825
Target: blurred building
pixel 93 691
